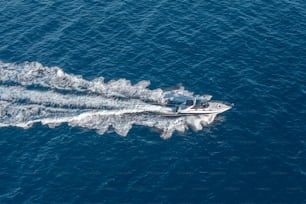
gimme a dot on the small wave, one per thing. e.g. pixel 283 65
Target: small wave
pixel 32 93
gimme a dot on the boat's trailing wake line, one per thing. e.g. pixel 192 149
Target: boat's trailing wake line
pixel 31 93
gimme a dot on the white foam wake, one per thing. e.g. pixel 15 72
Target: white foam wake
pixel 31 93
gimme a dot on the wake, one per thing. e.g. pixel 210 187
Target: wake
pixel 31 93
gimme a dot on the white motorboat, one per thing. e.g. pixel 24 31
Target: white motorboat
pixel 197 106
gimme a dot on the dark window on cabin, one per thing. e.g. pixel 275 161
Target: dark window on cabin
pixel 205 105
pixel 189 102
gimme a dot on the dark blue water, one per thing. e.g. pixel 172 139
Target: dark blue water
pixel 251 53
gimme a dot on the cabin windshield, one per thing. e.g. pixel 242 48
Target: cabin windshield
pixel 205 104
pixel 198 103
pixel 189 102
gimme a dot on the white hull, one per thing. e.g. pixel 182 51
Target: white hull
pixel 213 107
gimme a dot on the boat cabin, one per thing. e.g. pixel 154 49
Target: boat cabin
pixel 197 103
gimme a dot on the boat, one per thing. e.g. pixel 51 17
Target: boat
pixel 203 107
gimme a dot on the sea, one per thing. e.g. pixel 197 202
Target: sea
pixel 81 88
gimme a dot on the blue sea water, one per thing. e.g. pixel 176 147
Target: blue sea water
pixel 251 53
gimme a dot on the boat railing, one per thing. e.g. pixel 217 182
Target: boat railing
pixel 223 102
